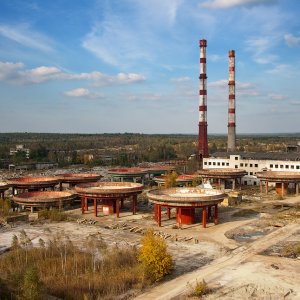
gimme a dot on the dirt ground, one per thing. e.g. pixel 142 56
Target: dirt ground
pixel 239 258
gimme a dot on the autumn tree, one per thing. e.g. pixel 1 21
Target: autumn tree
pixel 157 261
pixel 171 179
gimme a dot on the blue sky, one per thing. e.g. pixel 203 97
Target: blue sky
pixel 133 65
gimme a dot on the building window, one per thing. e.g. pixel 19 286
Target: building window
pixel 256 165
pixel 251 173
pixel 236 166
pixel 292 166
pixel 287 166
pixel 246 165
pixel 236 158
pixel 297 167
pixel 241 165
pixel 254 182
pixel 209 163
pixel 245 182
pixel 227 164
pixel 251 165
pixel 219 164
pixel 223 164
pixel 276 166
pixel 281 166
pixel 271 166
pixel 205 163
pixel 214 163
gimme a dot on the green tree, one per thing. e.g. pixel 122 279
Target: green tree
pixel 31 289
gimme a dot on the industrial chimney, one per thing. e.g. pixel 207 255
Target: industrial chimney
pixel 203 148
pixel 231 103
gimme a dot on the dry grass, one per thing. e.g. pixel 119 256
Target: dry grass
pixel 292 251
pixel 72 273
pixel 244 213
pixel 52 215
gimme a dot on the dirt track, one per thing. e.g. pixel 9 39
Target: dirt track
pixel 216 271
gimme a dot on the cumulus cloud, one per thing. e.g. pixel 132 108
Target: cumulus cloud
pixel 182 79
pixel 221 4
pixel 291 41
pixel 26 37
pixel 278 97
pixel 13 73
pixel 84 93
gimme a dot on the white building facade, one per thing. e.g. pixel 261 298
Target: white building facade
pixel 253 163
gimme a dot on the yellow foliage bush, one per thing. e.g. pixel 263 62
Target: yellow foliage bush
pixel 170 179
pixel 154 256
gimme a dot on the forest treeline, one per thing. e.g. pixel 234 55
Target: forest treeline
pixel 128 148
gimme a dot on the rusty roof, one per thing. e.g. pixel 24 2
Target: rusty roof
pixel 259 156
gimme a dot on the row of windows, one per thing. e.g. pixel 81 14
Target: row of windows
pixel 250 165
pixel 216 164
pixel 286 167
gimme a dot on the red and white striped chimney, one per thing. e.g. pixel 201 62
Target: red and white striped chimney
pixel 231 103
pixel 203 148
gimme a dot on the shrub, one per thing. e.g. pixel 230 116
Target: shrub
pixel 201 288
pixel 170 179
pixel 31 289
pixel 156 260
pixel 52 215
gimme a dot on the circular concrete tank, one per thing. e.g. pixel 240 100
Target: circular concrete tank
pixel 110 193
pixel 43 199
pixel 158 170
pixel 185 200
pixel 4 186
pixel 76 178
pixel 223 174
pixel 127 175
pixel 32 183
pixel 281 178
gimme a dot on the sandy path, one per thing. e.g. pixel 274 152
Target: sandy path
pixel 175 287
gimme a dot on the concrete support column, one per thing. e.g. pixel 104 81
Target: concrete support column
pixel 233 184
pixel 260 183
pixel 297 188
pixel 267 187
pixel 82 205
pixel 134 179
pixel 95 208
pixel 86 204
pixel 169 212
pixel 155 212
pixel 219 182
pixel 32 209
pixel 159 216
pixel 179 217
pixel 117 208
pixel 240 183
pixel 143 180
pixel 282 189
pixel 60 186
pixel 134 204
pixel 216 214
pixel 122 203
pixel 204 217
pixel 209 213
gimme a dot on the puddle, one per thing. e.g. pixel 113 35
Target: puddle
pixel 249 237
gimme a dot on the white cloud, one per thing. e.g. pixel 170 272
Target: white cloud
pixel 219 4
pixel 182 79
pixel 266 59
pixel 84 93
pixel 291 41
pixel 286 70
pixel 295 102
pixel 11 73
pixel 219 84
pixel 278 97
pixel 26 37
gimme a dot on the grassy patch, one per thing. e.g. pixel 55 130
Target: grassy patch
pixel 291 251
pixel 52 215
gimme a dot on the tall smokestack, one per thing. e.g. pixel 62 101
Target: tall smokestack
pixel 203 148
pixel 231 103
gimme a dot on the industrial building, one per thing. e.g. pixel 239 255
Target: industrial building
pixel 253 163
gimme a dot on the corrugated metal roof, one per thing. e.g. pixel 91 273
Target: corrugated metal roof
pixel 260 156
